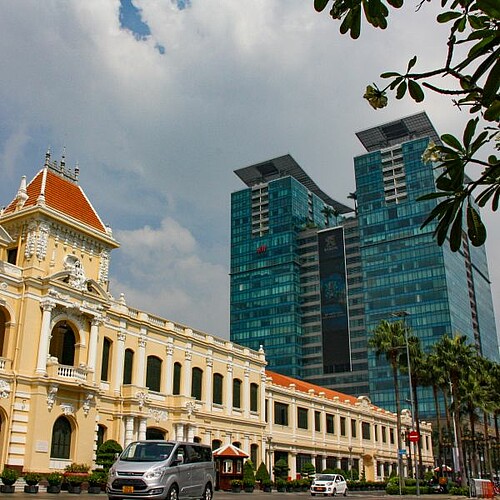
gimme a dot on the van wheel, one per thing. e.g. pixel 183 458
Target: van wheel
pixel 207 493
pixel 172 494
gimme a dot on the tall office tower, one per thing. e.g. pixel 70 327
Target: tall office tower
pixel 404 271
pixel 289 276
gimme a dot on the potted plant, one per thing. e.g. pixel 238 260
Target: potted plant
pixel 32 479
pixel 262 474
pixel 267 485
pixel 54 480
pixel 96 480
pixel 280 484
pixel 248 477
pixel 236 485
pixel 75 474
pixel 9 477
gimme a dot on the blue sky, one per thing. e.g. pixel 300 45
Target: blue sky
pixel 160 101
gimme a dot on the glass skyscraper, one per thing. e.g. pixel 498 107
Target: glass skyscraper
pixel 311 278
pixel 404 271
pixel 276 225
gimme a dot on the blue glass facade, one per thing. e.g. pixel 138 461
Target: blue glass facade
pixel 405 270
pixel 275 293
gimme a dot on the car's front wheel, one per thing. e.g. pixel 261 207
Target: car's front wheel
pixel 173 493
pixel 334 493
pixel 345 492
pixel 207 492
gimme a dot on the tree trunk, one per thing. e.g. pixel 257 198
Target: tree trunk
pixel 438 423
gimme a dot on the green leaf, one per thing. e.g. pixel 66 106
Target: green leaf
pixel 448 16
pixel 401 91
pixel 493 112
pixel 416 91
pixel 492 85
pixel 476 228
pixel 395 3
pixel 389 74
pixel 356 22
pixel 452 141
pixel 319 5
pixel 444 184
pixel 469 131
pixel 411 63
pixel 490 8
pixel 456 232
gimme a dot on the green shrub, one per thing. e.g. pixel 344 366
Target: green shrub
pixel 106 453
pixel 281 469
pixel 32 478
pixel 55 478
pixel 458 490
pixel 9 476
pixel 393 489
pixel 307 469
pixel 97 478
pixel 262 473
pixel 74 467
pixel 248 474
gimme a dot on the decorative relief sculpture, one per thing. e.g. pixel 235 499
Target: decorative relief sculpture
pixel 51 396
pixel 86 403
pixel 77 277
pixel 103 268
pixel 158 414
pixel 4 389
pixel 42 241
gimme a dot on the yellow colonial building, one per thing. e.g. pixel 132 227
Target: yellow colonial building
pixel 79 366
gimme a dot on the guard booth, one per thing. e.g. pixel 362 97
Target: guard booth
pixel 228 465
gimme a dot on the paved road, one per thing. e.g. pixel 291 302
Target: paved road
pixel 223 495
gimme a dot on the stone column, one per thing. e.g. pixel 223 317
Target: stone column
pixel 246 394
pixel 92 354
pixel 293 465
pixel 187 374
pixel 141 363
pixel 43 346
pixel 129 430
pixel 142 428
pixel 208 382
pixel 119 362
pixel 229 388
pixel 169 369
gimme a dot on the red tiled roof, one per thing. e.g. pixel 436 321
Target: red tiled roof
pixel 62 195
pixel 302 386
pixel 229 450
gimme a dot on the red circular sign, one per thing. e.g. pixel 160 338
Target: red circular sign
pixel 413 436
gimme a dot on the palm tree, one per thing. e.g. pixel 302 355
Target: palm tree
pixel 435 378
pixel 328 212
pixel 455 355
pixel 389 340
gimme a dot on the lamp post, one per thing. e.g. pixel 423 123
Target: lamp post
pixel 404 314
pixel 269 441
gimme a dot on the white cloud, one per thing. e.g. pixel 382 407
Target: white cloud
pixel 163 269
pixel 158 136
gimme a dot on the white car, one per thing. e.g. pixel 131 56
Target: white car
pixel 328 484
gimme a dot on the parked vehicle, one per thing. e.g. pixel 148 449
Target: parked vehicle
pixel 328 484
pixel 162 470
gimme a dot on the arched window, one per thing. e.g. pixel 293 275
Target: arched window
pixel 254 397
pixel 237 444
pixel 154 433
pixel 128 365
pixel 216 444
pixel 236 393
pixel 61 439
pixel 62 344
pixel 106 351
pixel 153 373
pixel 217 388
pixel 101 434
pixel 197 439
pixel 254 453
pixel 196 381
pixel 176 389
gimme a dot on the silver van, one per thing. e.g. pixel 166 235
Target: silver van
pixel 164 470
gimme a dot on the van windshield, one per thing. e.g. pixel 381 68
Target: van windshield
pixel 147 452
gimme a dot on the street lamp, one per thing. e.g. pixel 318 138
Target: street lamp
pixel 404 314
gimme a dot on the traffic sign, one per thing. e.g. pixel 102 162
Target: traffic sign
pixel 414 436
pixel 402 451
